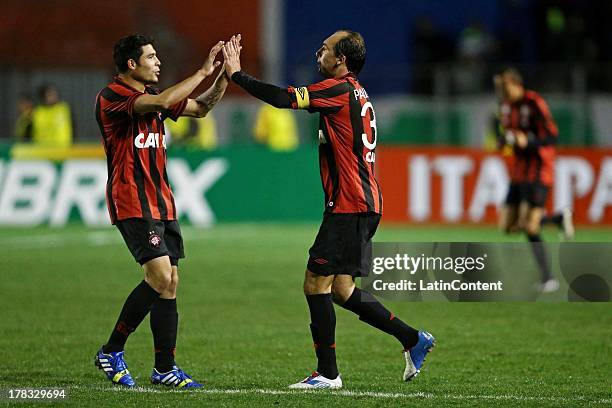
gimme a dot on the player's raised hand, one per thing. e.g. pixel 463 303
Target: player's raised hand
pixel 231 53
pixel 521 139
pixel 235 40
pixel 210 64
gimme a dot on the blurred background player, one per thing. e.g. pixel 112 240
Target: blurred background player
pixel 353 201
pixel 528 128
pixel 51 119
pixel 199 133
pixel 23 124
pixel 276 128
pixel 130 114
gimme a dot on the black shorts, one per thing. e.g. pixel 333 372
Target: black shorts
pixel 149 239
pixel 344 245
pixel 535 194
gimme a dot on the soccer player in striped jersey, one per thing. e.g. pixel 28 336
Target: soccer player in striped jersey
pixel 130 114
pixel 528 128
pixel 353 200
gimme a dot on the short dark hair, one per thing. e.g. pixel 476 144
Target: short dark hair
pixel 514 74
pixel 128 48
pixel 352 46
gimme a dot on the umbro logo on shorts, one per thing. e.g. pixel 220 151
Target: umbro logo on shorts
pixel 321 261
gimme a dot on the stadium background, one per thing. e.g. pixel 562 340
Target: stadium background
pixel 250 213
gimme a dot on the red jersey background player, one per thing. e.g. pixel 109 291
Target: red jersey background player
pixel 353 200
pixel 130 114
pixel 527 126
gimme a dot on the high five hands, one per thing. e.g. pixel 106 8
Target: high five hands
pixel 210 64
pixel 231 54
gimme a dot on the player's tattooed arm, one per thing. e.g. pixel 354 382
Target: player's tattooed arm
pixel 210 98
pixel 271 94
pixel 200 106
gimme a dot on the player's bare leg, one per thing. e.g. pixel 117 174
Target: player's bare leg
pixel 342 288
pixel 524 210
pixel 158 273
pixel 316 284
pixel 533 220
pixel 508 222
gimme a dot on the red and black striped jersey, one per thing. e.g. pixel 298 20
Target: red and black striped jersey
pixel 135 149
pixel 347 143
pixel 532 116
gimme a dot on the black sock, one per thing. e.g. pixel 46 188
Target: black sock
pixel 164 324
pixel 323 329
pixel 372 312
pixel 556 219
pixel 537 247
pixel 135 308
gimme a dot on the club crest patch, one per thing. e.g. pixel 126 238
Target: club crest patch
pixel 154 239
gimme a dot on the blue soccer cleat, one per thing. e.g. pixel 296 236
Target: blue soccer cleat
pixel 115 368
pixel 415 357
pixel 175 378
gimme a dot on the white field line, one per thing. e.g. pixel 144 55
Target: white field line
pixel 91 238
pixel 53 240
pixel 111 236
pixel 348 393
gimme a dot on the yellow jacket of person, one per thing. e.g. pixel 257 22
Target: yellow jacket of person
pixel 201 132
pixel 276 128
pixel 52 125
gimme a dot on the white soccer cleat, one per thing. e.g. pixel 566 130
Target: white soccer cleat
pixel 551 285
pixel 415 357
pixel 316 380
pixel 410 371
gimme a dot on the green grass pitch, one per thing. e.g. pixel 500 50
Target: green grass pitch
pixel 244 327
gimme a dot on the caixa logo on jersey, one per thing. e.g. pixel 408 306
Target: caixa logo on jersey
pixel 152 140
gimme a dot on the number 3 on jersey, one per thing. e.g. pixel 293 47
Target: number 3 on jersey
pixel 371 155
